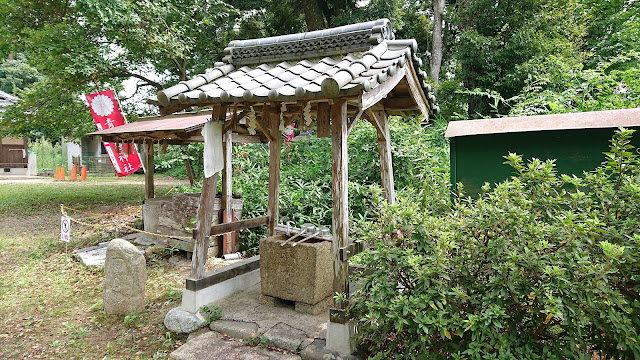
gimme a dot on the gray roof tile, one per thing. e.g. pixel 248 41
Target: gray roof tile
pixel 356 58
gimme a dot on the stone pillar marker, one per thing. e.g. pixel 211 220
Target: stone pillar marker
pixel 125 276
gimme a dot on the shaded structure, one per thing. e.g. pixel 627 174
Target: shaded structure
pixel 323 80
pixel 577 141
pixel 326 80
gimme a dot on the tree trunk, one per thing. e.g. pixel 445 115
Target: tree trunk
pixel 313 15
pixel 437 47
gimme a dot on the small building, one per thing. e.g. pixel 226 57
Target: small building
pixel 15 158
pixel 88 150
pixel 577 141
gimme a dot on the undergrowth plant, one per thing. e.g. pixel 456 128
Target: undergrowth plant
pixel 541 266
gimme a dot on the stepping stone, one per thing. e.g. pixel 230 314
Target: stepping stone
pixel 285 337
pixel 211 346
pixel 92 256
pixel 235 329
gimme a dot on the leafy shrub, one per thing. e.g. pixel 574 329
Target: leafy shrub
pixel 541 266
pixel 420 158
pixel 48 155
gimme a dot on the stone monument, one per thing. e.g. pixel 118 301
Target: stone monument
pixel 125 275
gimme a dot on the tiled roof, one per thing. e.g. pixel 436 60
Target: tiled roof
pixel 6 99
pixel 342 61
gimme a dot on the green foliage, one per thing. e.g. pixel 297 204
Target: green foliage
pixel 305 191
pixel 211 313
pixel 542 266
pixel 48 155
pixel 557 85
pixel 17 74
pixel 495 37
pixel 171 163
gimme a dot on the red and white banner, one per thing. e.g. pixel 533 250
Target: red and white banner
pixel 106 113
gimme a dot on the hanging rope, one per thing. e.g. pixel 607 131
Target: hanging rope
pixel 115 223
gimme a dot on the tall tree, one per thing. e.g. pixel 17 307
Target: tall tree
pixel 437 43
pixel 496 38
pixel 93 44
pixel 17 74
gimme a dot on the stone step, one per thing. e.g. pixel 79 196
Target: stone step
pixel 213 346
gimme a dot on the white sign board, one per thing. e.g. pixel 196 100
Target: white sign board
pixel 65 229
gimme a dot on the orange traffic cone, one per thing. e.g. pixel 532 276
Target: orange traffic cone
pixel 61 172
pixel 83 176
pixel 57 177
pixel 74 174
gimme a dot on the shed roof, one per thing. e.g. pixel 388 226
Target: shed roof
pixel 178 127
pixel 583 120
pixel 343 61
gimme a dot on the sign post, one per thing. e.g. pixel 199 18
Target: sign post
pixel 65 231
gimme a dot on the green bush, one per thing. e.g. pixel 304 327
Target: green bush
pixel 542 266
pixel 420 159
pixel 48 155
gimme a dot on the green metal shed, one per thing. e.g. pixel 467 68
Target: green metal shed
pixel 577 141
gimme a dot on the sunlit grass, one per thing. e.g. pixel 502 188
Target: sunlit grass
pixel 33 198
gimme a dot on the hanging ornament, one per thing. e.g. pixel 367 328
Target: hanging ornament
pixel 251 122
pixel 307 115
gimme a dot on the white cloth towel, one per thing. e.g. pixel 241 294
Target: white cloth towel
pixel 213 158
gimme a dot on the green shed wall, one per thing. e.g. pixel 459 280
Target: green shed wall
pixel 476 159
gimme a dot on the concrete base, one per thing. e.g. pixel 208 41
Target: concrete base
pixel 340 337
pixel 14 171
pixel 193 300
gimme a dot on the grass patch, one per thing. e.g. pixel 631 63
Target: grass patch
pixel 50 305
pixel 36 198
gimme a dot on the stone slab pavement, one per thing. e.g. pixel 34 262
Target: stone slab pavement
pixel 213 346
pixel 244 316
pixel 245 306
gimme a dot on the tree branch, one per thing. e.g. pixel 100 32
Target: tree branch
pixel 121 73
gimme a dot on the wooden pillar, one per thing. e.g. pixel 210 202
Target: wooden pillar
pixel 227 195
pixel 274 168
pixel 203 227
pixel 205 214
pixel 339 189
pixel 149 192
pixel 322 120
pixel 384 151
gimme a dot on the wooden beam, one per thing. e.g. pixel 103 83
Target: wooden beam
pixel 339 189
pixel 205 212
pixel 323 120
pixel 274 168
pixel 226 189
pixel 373 118
pixel 384 151
pixel 416 90
pixel 264 127
pixel 149 192
pixel 400 104
pixel 225 228
pixel 203 226
pixel 245 139
pixel 172 108
pixel 354 121
pixel 381 91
